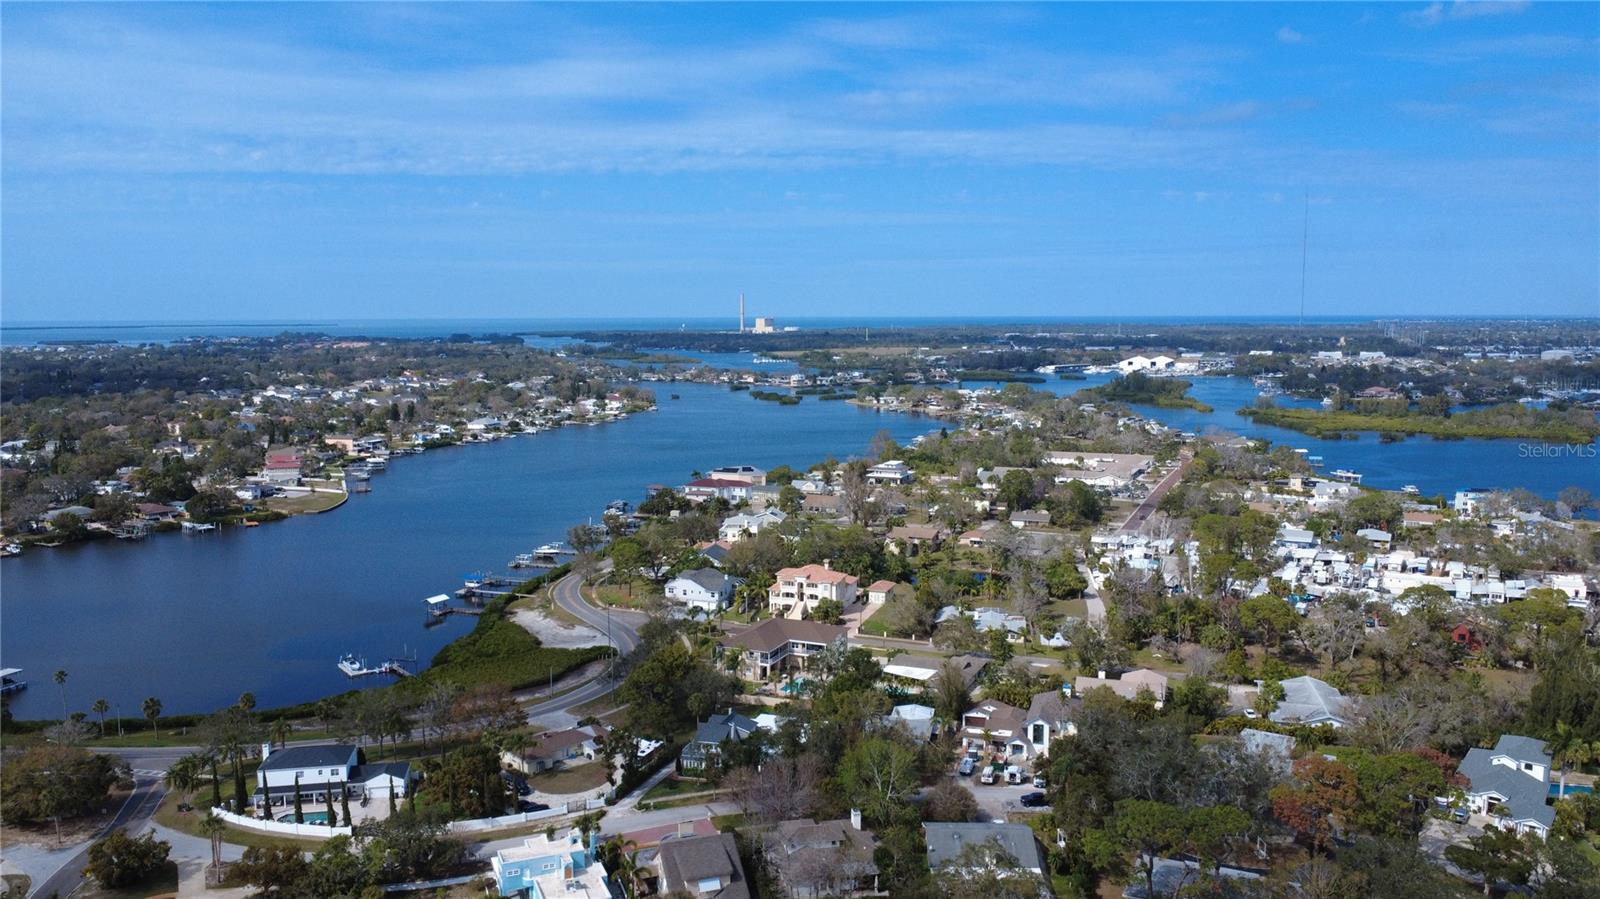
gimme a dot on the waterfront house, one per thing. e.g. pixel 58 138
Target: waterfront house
pixel 153 512
pixel 704 866
pixel 796 591
pixel 700 490
pixel 748 474
pixel 323 768
pixel 704 590
pixel 778 646
pixel 562 867
pixel 1511 784
pixel 1307 700
pixel 283 466
pixel 816 859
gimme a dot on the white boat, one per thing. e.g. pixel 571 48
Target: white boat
pixel 1410 490
pixel 11 549
pixel 523 560
pixel 352 666
pixel 10 682
pixel 552 549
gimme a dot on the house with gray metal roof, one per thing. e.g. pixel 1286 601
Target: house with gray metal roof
pixel 1511 784
pixel 1307 700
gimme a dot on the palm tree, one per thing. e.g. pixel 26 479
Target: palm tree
pixel 100 708
pixel 184 775
pixel 629 872
pixel 152 710
pixel 1568 749
pixel 214 829
pixel 247 701
pixel 61 681
pixel 280 732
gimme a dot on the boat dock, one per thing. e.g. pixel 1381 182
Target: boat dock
pixel 439 608
pixel 353 668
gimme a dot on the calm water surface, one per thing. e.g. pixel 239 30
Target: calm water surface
pixel 1433 466
pixel 197 620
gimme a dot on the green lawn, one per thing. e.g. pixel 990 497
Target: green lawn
pixel 574 779
pixel 641 596
pixel 674 787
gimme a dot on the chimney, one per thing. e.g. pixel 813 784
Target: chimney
pixel 855 818
pixel 1101 673
pixel 266 750
pixel 827 564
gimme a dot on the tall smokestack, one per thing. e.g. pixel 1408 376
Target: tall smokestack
pixel 741 312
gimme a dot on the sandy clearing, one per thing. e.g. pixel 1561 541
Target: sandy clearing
pixel 558 634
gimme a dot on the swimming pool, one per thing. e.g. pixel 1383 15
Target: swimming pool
pixel 308 818
pixel 1555 789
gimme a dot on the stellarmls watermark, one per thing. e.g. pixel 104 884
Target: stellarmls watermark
pixel 1557 451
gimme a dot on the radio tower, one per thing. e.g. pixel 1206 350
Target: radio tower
pixel 741 312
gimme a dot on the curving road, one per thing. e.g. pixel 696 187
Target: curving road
pixel 620 628
pixel 135 812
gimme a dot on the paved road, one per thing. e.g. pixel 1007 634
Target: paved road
pixel 1136 521
pixel 134 814
pixel 620 627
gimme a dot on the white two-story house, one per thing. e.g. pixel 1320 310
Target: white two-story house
pixel 795 592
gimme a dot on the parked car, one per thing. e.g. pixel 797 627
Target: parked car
pixel 1039 782
pixel 965 768
pixel 1014 775
pixel 1034 800
pixel 1250 713
pixel 988 776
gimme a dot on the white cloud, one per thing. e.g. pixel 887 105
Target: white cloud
pixel 1287 35
pixel 1437 13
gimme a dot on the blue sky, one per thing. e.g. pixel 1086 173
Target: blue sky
pixel 259 161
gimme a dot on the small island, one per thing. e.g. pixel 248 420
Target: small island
pixel 1569 425
pixel 1142 389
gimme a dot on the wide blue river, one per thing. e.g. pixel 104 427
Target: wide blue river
pixel 1433 466
pixel 197 620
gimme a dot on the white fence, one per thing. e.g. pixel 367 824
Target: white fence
pixel 322 832
pixel 264 825
pixel 480 824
